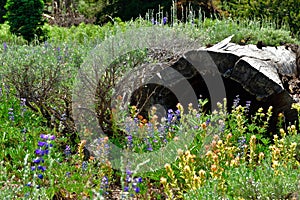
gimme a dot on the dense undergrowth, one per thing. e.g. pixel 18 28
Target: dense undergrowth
pixel 228 156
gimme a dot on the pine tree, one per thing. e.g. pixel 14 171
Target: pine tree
pixel 2 11
pixel 25 18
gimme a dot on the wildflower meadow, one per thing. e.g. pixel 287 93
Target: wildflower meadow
pixel 190 153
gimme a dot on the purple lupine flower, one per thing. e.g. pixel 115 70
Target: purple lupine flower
pixel 11 114
pixel 29 184
pixel 67 150
pixel 129 139
pixel 46 44
pixel 33 168
pixel 128 172
pixel 23 102
pixel 154 22
pixel 37 160
pixel 39 152
pixel 170 116
pixel 4 46
pixel 40 176
pixel 63 117
pixel 52 137
pixel 104 184
pixel 139 180
pixel 41 144
pixel 42 168
pixel 165 20
pixel 46 151
pixel 149 148
pixel 137 190
pixel 45 137
pixel 84 165
pixel 207 122
pixel 236 101
pixel 126 189
pixel 247 107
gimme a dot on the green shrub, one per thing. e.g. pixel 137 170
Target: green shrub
pixel 25 18
pixel 280 11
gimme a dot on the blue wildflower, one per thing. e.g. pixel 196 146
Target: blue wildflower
pixel 126 189
pixel 11 114
pixel 37 160
pixel 42 168
pixel 67 150
pixel 42 144
pixel 137 189
pixel 236 101
pixel 165 20
pixel 4 46
pixel 40 176
pixel 139 180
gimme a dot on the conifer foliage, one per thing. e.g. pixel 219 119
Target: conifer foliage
pixel 25 18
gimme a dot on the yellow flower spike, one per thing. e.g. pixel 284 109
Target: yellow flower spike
pixel 293 145
pixel 180 152
pixel 282 132
pixel 261 156
pixel 187 169
pixel 209 154
pixel 153 110
pixel 275 164
pixel 219 105
pixel 293 130
pixel 233 163
pixel 215 157
pixel 187 153
pixel 296 106
pixel 275 138
pixel 202 174
pixel 215 112
pixel 154 119
pixel 194 112
pixel 260 110
pixel 213 143
pixel 220 142
pixel 168 167
pixel 213 168
pixel 216 137
pixel 203 125
pixel 229 136
pixel 163 180
pixel 190 107
pixel 270 109
pixel 180 108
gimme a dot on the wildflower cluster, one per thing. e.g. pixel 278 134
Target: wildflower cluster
pixel 131 184
pixel 163 22
pixel 144 135
pixel 283 152
pixel 43 150
pixel 192 179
